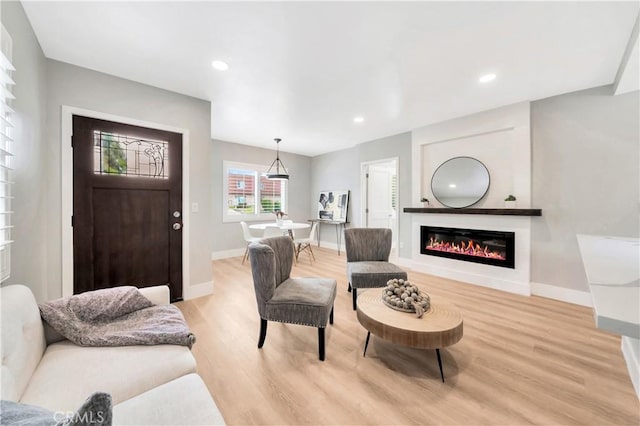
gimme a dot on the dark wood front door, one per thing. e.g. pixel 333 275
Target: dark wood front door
pixel 127 206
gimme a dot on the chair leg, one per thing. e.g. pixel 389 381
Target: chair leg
pixel 321 343
pixel 355 296
pixel 263 332
pixel 312 256
pixel 246 252
pixel 331 316
pixel 349 289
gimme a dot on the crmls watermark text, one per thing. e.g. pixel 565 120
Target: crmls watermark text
pixel 89 418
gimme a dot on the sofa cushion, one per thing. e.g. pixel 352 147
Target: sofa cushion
pixel 158 295
pixel 23 340
pixel 183 401
pixel 68 373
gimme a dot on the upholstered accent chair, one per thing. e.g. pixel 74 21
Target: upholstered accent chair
pixel 281 298
pixel 368 263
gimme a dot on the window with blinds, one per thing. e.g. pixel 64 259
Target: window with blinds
pixel 249 195
pixel 6 149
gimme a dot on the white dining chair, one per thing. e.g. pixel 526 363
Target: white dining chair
pixel 246 233
pixel 306 243
pixel 290 231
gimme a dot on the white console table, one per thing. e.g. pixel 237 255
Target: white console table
pixel 340 227
pixel 612 265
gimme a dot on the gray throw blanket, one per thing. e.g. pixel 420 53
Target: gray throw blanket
pixel 119 316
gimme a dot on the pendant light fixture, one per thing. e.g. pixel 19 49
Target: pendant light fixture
pixel 277 175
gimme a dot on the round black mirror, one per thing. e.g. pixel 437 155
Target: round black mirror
pixel 460 182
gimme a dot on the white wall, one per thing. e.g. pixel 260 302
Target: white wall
pixel 227 238
pixel 341 170
pixel 394 146
pixel 336 170
pixel 82 88
pixel 499 138
pixel 586 178
pixel 30 250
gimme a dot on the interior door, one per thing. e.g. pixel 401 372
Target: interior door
pixel 381 197
pixel 127 206
pixel 380 211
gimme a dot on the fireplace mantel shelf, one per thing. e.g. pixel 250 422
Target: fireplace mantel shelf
pixel 499 212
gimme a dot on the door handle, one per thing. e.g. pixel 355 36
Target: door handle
pixel 177 226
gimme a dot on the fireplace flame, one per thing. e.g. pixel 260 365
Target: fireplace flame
pixel 469 248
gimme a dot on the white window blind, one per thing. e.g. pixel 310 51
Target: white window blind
pixel 6 152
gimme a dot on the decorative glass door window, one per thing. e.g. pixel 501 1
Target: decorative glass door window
pixel 123 155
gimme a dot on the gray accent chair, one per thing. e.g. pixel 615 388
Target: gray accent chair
pixel 368 263
pixel 304 301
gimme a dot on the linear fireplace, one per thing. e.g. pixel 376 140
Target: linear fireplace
pixel 471 245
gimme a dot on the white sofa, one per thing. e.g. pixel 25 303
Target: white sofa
pixel 151 385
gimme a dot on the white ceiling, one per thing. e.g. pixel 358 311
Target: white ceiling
pixel 302 71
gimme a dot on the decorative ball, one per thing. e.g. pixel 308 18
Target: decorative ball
pixel 404 296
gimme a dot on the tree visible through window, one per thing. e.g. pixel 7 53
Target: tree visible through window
pixel 114 160
pixel 270 194
pixel 124 155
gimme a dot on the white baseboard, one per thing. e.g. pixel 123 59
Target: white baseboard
pixel 223 254
pixel 471 278
pixel 577 297
pixel 630 348
pixel 197 290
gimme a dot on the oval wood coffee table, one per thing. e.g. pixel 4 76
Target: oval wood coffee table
pixel 439 327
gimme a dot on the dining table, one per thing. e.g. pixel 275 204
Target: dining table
pixel 288 227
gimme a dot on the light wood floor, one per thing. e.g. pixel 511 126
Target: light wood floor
pixel 522 360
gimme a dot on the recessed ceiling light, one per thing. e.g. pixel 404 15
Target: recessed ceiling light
pixel 487 78
pixel 452 185
pixel 358 119
pixel 220 65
